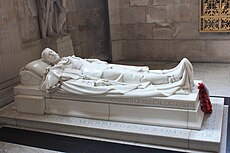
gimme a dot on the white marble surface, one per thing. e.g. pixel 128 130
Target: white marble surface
pixel 179 110
pixel 107 110
pixel 30 104
pixel 15 148
pixel 157 116
pixel 12 148
pixel 77 108
pixel 211 125
pixel 222 147
pixel 178 101
pixel 156 135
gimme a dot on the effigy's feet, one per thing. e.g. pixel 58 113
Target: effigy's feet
pixel 176 73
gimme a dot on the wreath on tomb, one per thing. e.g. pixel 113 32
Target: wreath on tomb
pixel 205 102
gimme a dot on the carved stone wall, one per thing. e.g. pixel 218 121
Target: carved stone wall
pixel 163 30
pixel 87 22
pixel 214 16
pixel 19 42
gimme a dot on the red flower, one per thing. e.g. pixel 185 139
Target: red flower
pixel 205 102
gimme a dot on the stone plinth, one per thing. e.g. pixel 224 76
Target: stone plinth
pixel 207 139
pixel 61 44
pixel 181 111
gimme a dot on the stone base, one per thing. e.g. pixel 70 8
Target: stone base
pixel 30 104
pixel 189 119
pixel 181 111
pixel 61 44
pixel 206 139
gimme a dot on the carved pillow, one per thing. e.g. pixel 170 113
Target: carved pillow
pixel 38 67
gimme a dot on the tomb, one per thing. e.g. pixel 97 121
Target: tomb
pixel 170 122
pixel 133 30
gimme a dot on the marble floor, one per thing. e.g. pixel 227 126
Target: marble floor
pixel 215 76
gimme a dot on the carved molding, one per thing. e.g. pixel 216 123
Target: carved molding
pixel 154 102
pixel 215 16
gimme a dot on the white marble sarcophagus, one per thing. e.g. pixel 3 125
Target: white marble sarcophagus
pixel 169 122
pixel 179 110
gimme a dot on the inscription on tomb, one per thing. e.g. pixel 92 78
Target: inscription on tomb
pixel 152 130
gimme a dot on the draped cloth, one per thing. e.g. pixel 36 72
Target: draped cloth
pixel 85 77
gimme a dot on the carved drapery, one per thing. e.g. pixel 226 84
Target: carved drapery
pixel 215 16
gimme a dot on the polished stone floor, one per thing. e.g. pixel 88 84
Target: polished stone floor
pixel 215 76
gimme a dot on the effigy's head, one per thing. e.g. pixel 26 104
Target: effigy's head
pixel 50 56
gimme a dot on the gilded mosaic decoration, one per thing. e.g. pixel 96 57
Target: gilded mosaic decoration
pixel 215 16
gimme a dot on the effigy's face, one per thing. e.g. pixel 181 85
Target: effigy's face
pixel 51 56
